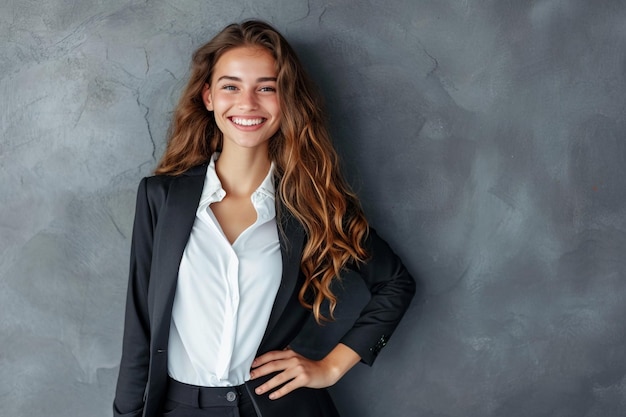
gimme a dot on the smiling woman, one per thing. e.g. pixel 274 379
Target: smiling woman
pixel 242 95
pixel 237 240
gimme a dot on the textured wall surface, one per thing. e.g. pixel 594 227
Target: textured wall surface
pixel 485 138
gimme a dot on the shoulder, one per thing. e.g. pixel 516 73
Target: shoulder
pixel 156 188
pixel 382 261
pixel 163 181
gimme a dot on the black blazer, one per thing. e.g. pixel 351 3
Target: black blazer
pixel 164 216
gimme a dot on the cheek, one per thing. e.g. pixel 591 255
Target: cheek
pixel 276 107
pixel 219 101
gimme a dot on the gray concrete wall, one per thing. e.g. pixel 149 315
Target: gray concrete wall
pixel 485 138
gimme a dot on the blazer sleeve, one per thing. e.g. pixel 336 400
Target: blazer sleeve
pixel 391 288
pixel 133 374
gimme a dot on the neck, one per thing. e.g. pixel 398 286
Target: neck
pixel 242 172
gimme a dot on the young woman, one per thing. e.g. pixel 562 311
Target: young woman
pixel 237 239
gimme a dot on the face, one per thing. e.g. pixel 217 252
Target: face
pixel 243 98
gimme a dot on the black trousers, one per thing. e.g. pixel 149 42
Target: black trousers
pixel 184 400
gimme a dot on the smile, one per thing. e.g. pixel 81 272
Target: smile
pixel 247 122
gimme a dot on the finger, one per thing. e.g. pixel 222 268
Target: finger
pixel 273 356
pixel 276 381
pixel 274 366
pixel 266 369
pixel 287 388
pixel 268 357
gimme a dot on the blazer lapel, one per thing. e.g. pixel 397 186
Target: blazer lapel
pixel 291 238
pixel 177 219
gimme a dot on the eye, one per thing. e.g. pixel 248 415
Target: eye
pixel 229 87
pixel 268 89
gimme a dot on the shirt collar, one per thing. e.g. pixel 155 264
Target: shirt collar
pixel 213 191
pixel 267 186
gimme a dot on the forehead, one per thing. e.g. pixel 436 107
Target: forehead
pixel 245 61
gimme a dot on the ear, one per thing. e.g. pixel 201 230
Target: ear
pixel 206 97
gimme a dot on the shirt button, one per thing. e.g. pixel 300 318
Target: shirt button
pixel 231 396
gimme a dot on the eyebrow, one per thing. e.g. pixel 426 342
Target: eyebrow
pixel 258 80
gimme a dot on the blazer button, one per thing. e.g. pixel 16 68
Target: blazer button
pixel 379 345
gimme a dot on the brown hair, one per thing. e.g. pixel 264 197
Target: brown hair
pixel 310 184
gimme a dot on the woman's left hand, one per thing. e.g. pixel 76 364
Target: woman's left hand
pixel 296 371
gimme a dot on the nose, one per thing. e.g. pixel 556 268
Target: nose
pixel 247 100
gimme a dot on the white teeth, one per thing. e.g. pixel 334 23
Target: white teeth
pixel 247 122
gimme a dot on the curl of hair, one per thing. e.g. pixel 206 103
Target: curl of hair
pixel 310 184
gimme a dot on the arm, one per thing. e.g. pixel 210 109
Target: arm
pixel 297 371
pixel 391 288
pixel 133 374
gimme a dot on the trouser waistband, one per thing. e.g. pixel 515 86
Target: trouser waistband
pixel 201 397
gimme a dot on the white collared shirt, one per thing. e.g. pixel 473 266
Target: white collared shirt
pixel 225 292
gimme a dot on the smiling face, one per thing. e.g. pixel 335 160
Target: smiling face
pixel 243 98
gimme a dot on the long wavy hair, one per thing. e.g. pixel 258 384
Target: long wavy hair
pixel 310 184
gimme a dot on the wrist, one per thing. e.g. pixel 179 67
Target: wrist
pixel 339 361
pixel 332 369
